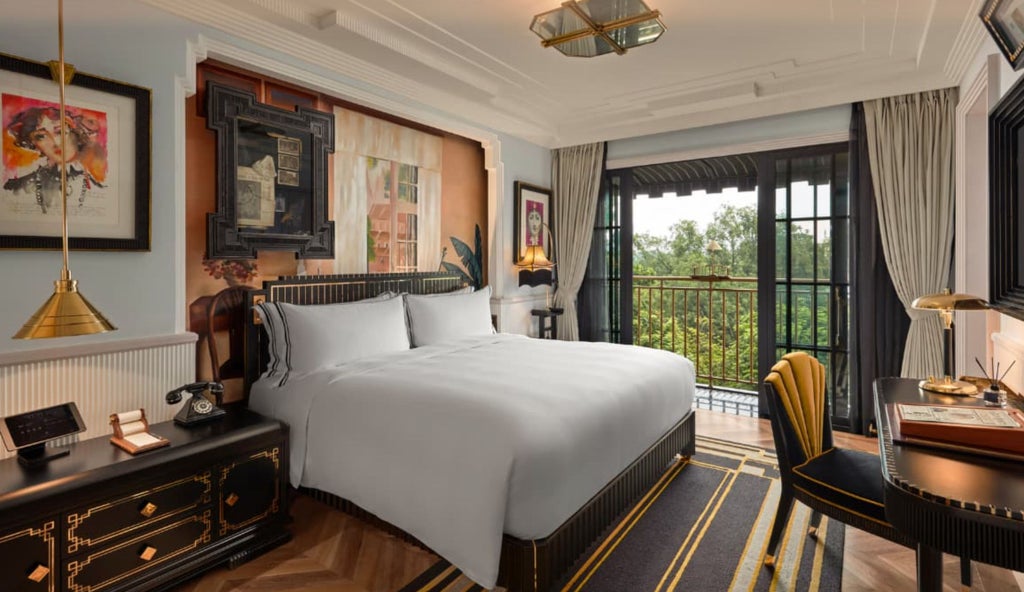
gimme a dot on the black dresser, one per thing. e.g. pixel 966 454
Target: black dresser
pixel 101 520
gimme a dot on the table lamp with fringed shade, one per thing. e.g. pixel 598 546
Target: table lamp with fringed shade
pixel 946 303
pixel 535 268
pixel 66 313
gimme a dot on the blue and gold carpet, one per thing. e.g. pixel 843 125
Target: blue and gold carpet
pixel 704 526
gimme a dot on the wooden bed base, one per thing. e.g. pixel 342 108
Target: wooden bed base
pixel 526 565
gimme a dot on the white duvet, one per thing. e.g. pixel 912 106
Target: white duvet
pixel 460 442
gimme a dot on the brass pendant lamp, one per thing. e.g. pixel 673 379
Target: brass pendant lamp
pixel 66 313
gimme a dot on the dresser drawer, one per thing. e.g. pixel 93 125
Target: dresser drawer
pixel 96 524
pixel 249 490
pixel 27 559
pixel 132 558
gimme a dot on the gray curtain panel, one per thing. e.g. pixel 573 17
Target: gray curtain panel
pixel 575 180
pixel 910 146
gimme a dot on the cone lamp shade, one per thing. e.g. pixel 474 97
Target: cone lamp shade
pixel 534 258
pixel 66 313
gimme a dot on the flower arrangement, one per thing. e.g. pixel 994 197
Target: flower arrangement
pixel 234 271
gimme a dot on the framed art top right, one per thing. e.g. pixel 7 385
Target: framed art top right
pixel 1004 20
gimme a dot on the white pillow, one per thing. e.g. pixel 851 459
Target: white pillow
pixel 304 338
pixel 435 318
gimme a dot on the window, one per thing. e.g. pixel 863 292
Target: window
pixel 392 216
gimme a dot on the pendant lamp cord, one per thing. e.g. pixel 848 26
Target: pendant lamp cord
pixel 65 273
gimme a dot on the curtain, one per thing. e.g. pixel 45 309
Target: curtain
pixel 576 179
pixel 910 149
pixel 880 324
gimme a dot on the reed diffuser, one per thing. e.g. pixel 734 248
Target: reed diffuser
pixel 994 395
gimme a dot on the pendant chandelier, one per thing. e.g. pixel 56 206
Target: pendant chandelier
pixel 66 313
pixel 589 28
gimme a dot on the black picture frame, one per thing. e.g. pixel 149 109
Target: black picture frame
pixel 1004 20
pixel 112 121
pixel 271 177
pixel 525 194
pixel 1006 203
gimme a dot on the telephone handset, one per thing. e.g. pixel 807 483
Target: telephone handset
pixel 198 409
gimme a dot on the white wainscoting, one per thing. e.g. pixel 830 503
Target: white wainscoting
pixel 101 379
pixel 1005 349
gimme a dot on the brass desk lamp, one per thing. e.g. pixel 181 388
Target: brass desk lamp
pixel 946 303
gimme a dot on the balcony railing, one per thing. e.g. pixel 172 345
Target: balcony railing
pixel 712 320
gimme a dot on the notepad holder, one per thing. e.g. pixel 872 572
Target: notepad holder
pixel 131 432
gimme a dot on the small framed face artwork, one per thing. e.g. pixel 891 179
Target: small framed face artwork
pixel 533 218
pixel 106 159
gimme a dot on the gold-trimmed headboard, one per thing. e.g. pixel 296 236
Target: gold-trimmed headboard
pixel 328 289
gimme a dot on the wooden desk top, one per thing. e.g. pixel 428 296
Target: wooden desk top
pixel 971 481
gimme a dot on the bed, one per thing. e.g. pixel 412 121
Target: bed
pixel 486 449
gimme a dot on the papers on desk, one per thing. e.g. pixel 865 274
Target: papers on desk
pixel 993 418
pixel 996 432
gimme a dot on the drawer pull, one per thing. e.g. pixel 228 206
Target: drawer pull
pixel 147 553
pixel 148 510
pixel 231 500
pixel 39 573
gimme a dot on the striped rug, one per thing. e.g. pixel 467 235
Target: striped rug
pixel 704 526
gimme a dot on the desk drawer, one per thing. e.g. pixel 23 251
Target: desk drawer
pixel 132 558
pixel 27 559
pixel 90 526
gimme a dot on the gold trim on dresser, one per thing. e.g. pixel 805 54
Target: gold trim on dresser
pixel 46 534
pixel 226 526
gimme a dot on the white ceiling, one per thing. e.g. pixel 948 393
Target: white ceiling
pixel 720 60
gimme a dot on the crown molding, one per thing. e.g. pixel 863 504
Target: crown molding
pixel 965 47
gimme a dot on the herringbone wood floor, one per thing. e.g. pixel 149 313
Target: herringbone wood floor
pixel 333 552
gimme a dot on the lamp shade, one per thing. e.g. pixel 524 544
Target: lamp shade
pixel 946 300
pixel 535 258
pixel 65 314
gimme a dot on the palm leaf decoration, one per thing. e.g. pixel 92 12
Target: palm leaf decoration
pixel 472 261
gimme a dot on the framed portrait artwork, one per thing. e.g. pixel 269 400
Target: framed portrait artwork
pixel 533 212
pixel 107 162
pixel 1004 20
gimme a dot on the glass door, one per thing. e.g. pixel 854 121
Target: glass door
pixel 805 207
pixel 605 300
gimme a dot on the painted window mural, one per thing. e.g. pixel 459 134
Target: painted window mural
pixel 392 219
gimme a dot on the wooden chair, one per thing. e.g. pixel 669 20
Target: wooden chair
pixel 225 312
pixel 845 485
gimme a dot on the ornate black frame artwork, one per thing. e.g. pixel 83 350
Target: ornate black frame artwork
pixel 271 178
pixel 1006 203
pixel 108 160
pixel 1004 20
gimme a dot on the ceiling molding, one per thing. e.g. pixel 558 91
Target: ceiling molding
pixel 255 30
pixel 968 42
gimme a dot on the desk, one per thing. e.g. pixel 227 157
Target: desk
pixel 962 504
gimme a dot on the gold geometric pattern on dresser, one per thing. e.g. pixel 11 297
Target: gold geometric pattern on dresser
pixel 38 572
pixel 137 509
pixel 141 553
pixel 231 499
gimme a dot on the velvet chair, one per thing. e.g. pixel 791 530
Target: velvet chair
pixel 845 485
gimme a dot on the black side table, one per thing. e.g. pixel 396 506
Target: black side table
pixel 547 329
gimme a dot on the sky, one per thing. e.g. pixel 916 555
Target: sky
pixel 656 216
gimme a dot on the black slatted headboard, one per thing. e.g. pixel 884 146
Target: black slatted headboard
pixel 328 289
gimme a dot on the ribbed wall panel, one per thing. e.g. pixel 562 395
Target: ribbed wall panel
pixel 100 384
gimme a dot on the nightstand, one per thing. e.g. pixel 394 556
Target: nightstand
pixel 101 520
pixel 547 322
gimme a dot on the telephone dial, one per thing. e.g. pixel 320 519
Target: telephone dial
pixel 198 409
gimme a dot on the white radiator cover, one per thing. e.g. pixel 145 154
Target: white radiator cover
pixel 103 379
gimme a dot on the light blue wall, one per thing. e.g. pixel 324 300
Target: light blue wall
pixel 790 125
pixel 130 42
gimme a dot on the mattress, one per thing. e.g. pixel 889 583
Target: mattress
pixel 457 443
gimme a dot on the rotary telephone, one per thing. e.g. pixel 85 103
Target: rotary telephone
pixel 198 409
